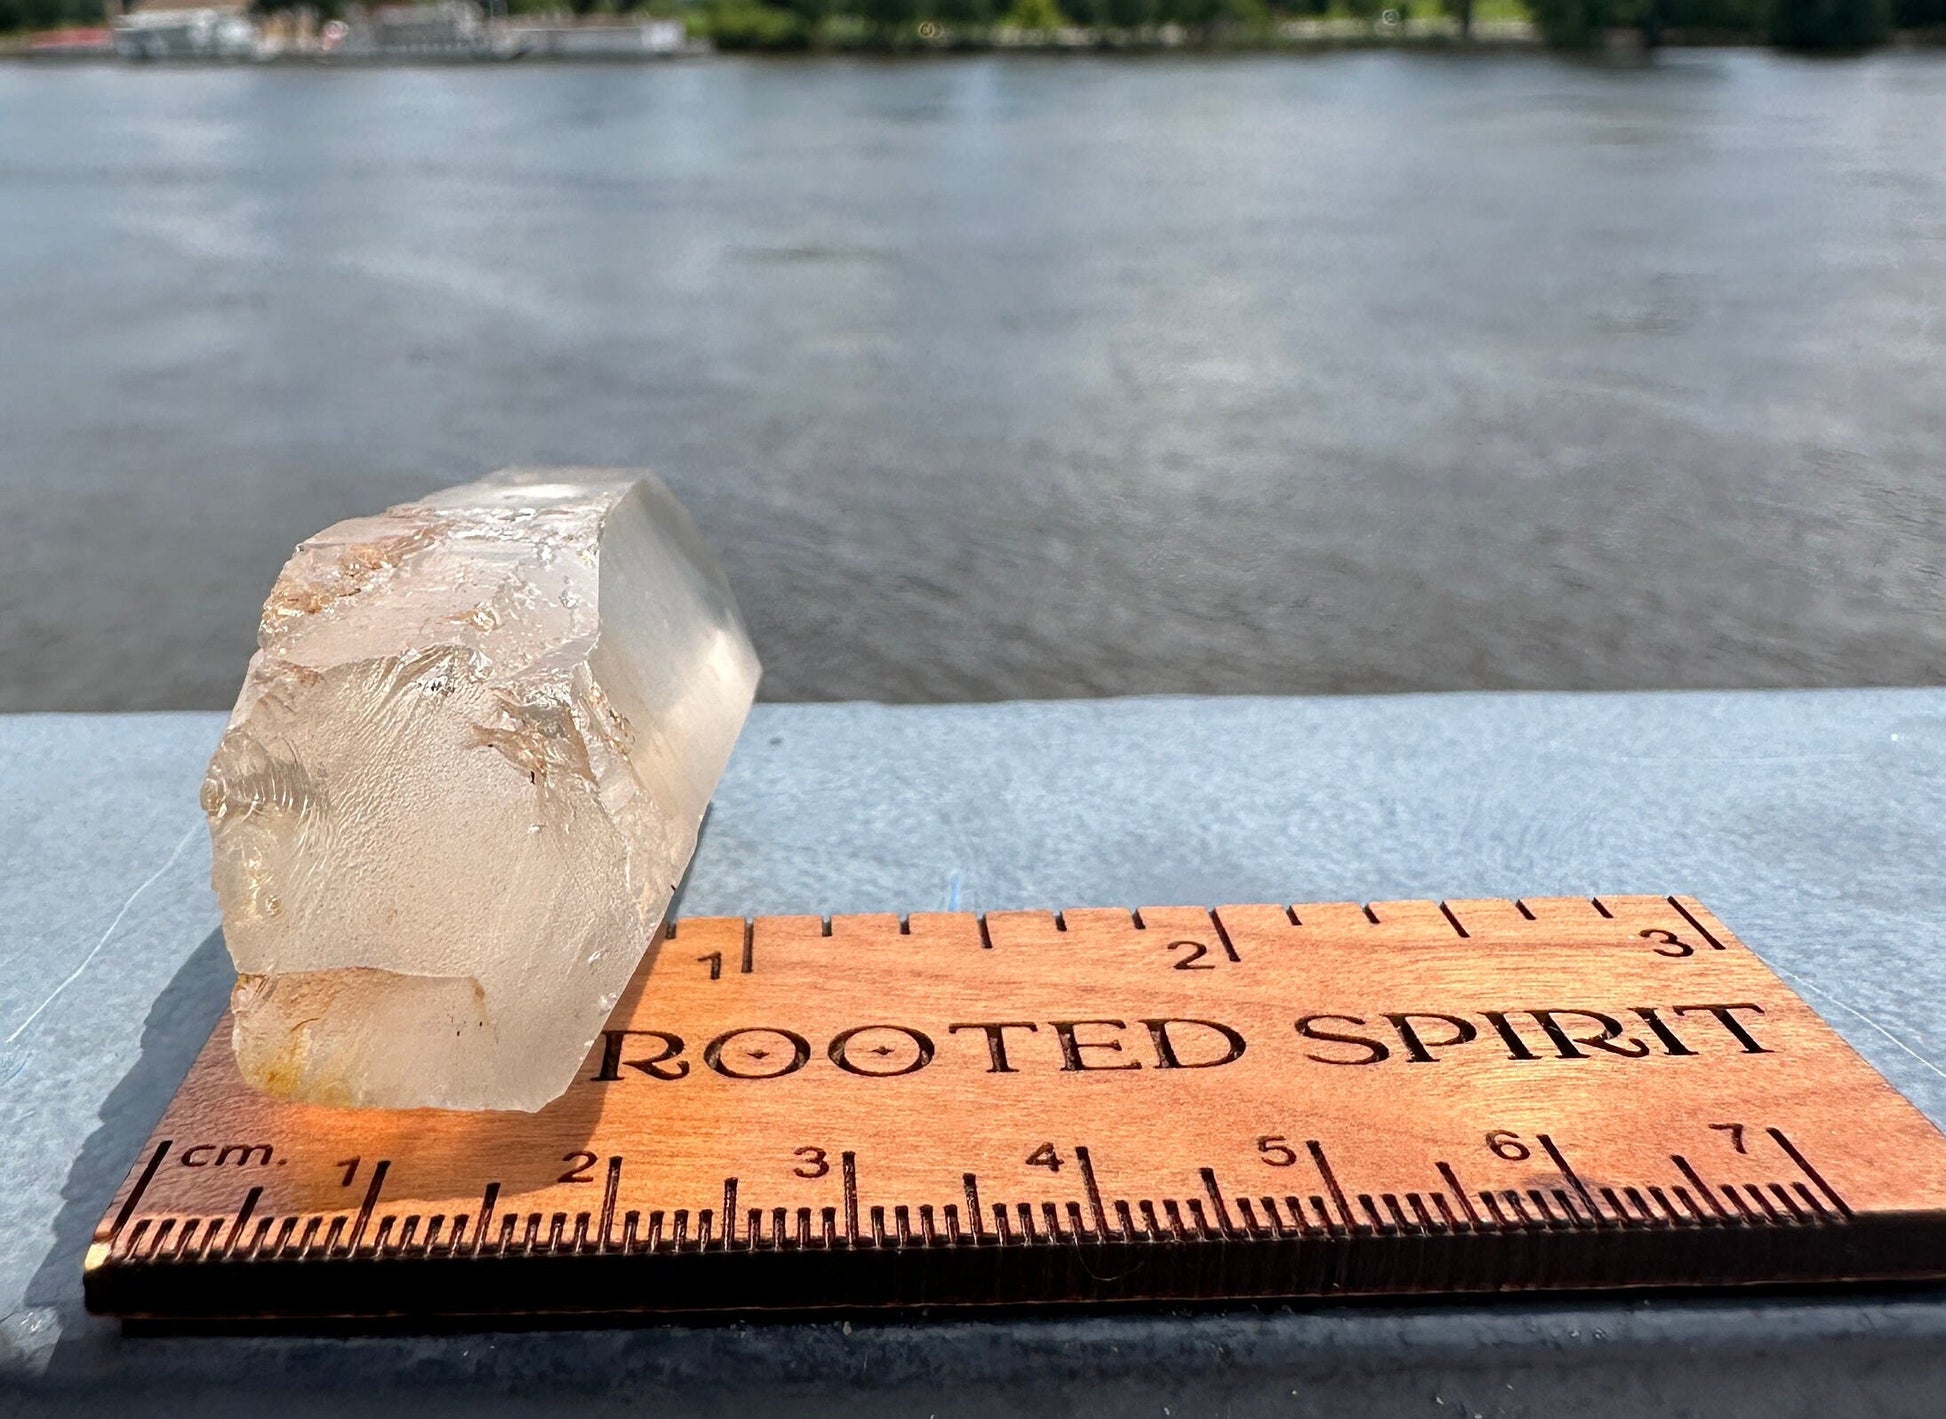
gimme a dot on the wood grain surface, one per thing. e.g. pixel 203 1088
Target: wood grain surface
pixel 1098 1105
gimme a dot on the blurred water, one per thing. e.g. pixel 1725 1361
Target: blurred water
pixel 998 377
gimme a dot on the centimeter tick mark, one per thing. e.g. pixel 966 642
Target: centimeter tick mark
pixel 1777 1134
pixel 609 1192
pixel 365 1207
pixel 848 1162
pixel 1459 1192
pixel 141 1186
pixel 1208 1175
pixel 1316 1150
pixel 1086 1163
pixel 488 1199
pixel 1574 1178
pixel 250 1201
pixel 1702 1188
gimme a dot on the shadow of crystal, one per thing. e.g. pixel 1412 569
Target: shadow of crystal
pixel 177 1026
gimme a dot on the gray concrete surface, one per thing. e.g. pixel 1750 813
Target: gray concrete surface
pixel 1815 823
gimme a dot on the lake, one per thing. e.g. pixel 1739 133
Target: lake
pixel 1011 376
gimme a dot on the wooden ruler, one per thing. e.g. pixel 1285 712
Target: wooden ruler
pixel 1255 1101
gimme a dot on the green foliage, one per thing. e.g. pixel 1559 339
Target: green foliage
pixel 1580 24
pixel 852 24
pixel 1830 24
pixel 799 24
pixel 1793 24
pixel 888 17
pixel 1571 24
pixel 1201 15
pixel 1746 18
pixel 965 13
pixel 48 14
pixel 1034 15
pixel 740 24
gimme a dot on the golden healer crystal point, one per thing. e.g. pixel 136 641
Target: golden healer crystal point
pixel 462 780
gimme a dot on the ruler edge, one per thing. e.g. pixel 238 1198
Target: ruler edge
pixel 102 1270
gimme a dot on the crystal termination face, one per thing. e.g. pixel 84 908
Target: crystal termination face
pixel 462 780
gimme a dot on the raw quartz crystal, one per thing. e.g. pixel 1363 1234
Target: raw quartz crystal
pixel 463 778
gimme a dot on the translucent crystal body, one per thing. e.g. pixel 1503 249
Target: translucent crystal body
pixel 463 777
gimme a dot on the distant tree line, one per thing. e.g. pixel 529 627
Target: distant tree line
pixel 1790 24
pixel 893 24
pixel 48 14
pixel 1794 24
pixel 896 22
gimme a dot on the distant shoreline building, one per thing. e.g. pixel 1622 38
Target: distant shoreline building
pixel 222 30
pixel 445 30
pixel 535 37
pixel 449 29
